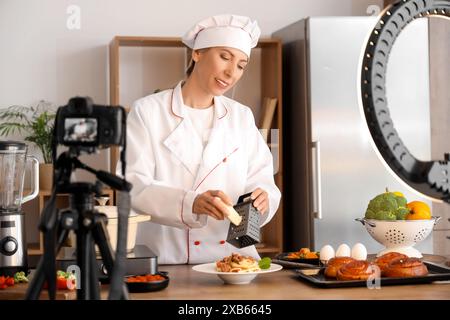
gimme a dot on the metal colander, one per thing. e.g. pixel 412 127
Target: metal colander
pixel 399 235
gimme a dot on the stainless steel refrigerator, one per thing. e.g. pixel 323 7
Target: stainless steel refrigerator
pixel 331 167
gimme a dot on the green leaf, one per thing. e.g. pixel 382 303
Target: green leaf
pixel 264 263
pixel 34 123
pixel 61 274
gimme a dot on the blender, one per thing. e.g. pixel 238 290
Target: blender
pixel 13 247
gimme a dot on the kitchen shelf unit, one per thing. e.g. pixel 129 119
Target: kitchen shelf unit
pixel 62 201
pixel 271 86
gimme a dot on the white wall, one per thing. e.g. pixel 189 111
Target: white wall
pixel 40 58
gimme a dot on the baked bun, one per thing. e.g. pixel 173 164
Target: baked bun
pixel 383 261
pixel 334 264
pixel 356 270
pixel 411 267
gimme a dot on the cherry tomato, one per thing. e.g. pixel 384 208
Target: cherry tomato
pixel 61 283
pixel 9 281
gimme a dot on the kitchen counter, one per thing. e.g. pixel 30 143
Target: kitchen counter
pixel 188 284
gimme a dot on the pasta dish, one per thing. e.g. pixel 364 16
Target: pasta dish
pixel 237 263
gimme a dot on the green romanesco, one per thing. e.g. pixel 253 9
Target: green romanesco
pixel 387 206
pixel 401 213
pixel 401 201
pixel 20 277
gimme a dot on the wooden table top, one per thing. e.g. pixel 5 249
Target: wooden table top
pixel 188 284
pixel 18 291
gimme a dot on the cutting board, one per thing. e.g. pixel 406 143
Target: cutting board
pixel 17 292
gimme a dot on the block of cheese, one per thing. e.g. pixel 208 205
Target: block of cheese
pixel 232 215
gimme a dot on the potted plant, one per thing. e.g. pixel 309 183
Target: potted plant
pixel 36 124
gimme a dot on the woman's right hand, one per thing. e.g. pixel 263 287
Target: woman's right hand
pixel 206 203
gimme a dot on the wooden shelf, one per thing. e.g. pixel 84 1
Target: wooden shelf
pixel 267 249
pixel 34 249
pixel 62 201
pixel 270 80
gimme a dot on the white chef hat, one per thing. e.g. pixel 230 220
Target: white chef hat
pixel 225 30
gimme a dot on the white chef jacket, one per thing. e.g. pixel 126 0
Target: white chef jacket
pixel 168 167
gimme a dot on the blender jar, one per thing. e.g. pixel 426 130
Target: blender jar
pixel 13 160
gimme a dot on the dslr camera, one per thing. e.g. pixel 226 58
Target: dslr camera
pixel 81 123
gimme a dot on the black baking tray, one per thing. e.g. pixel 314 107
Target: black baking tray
pixel 283 257
pixel 150 286
pixel 436 273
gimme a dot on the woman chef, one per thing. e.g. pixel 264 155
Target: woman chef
pixel 191 150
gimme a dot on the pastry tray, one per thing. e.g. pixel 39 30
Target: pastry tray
pixel 436 273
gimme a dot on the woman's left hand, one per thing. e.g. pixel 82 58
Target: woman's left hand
pixel 260 200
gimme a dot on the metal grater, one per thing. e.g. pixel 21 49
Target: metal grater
pixel 247 232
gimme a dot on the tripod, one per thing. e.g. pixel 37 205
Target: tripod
pixel 90 229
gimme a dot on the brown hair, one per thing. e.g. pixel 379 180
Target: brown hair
pixel 190 68
pixel 192 62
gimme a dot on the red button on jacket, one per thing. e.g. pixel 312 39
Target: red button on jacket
pixel 197 243
pixel 222 241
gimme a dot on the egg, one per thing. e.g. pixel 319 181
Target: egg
pixel 343 251
pixel 359 252
pixel 326 253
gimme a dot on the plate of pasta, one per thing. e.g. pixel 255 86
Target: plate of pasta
pixel 237 269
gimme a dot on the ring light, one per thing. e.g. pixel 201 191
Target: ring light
pixel 430 178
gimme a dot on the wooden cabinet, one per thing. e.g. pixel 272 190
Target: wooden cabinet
pixel 439 51
pixel 62 201
pixel 265 82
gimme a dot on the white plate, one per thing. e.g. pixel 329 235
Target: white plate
pixel 234 277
